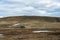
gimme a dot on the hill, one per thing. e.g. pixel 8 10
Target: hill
pixel 30 22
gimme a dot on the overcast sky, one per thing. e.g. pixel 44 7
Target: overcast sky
pixel 30 8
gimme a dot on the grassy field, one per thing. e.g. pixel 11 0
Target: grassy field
pixel 31 22
pixel 25 27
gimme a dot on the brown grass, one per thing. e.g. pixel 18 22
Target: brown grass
pixel 31 21
pixel 27 34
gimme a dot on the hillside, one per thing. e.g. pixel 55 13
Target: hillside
pixel 30 22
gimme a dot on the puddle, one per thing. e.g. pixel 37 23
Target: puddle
pixel 41 31
pixel 2 36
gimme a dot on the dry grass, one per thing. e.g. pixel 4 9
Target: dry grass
pixel 31 23
pixel 27 34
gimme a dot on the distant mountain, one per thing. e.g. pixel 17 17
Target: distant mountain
pixel 31 21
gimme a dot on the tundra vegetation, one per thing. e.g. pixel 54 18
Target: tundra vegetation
pixel 30 28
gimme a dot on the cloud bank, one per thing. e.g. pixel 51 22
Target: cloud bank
pixel 30 8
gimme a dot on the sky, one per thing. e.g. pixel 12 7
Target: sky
pixel 29 8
